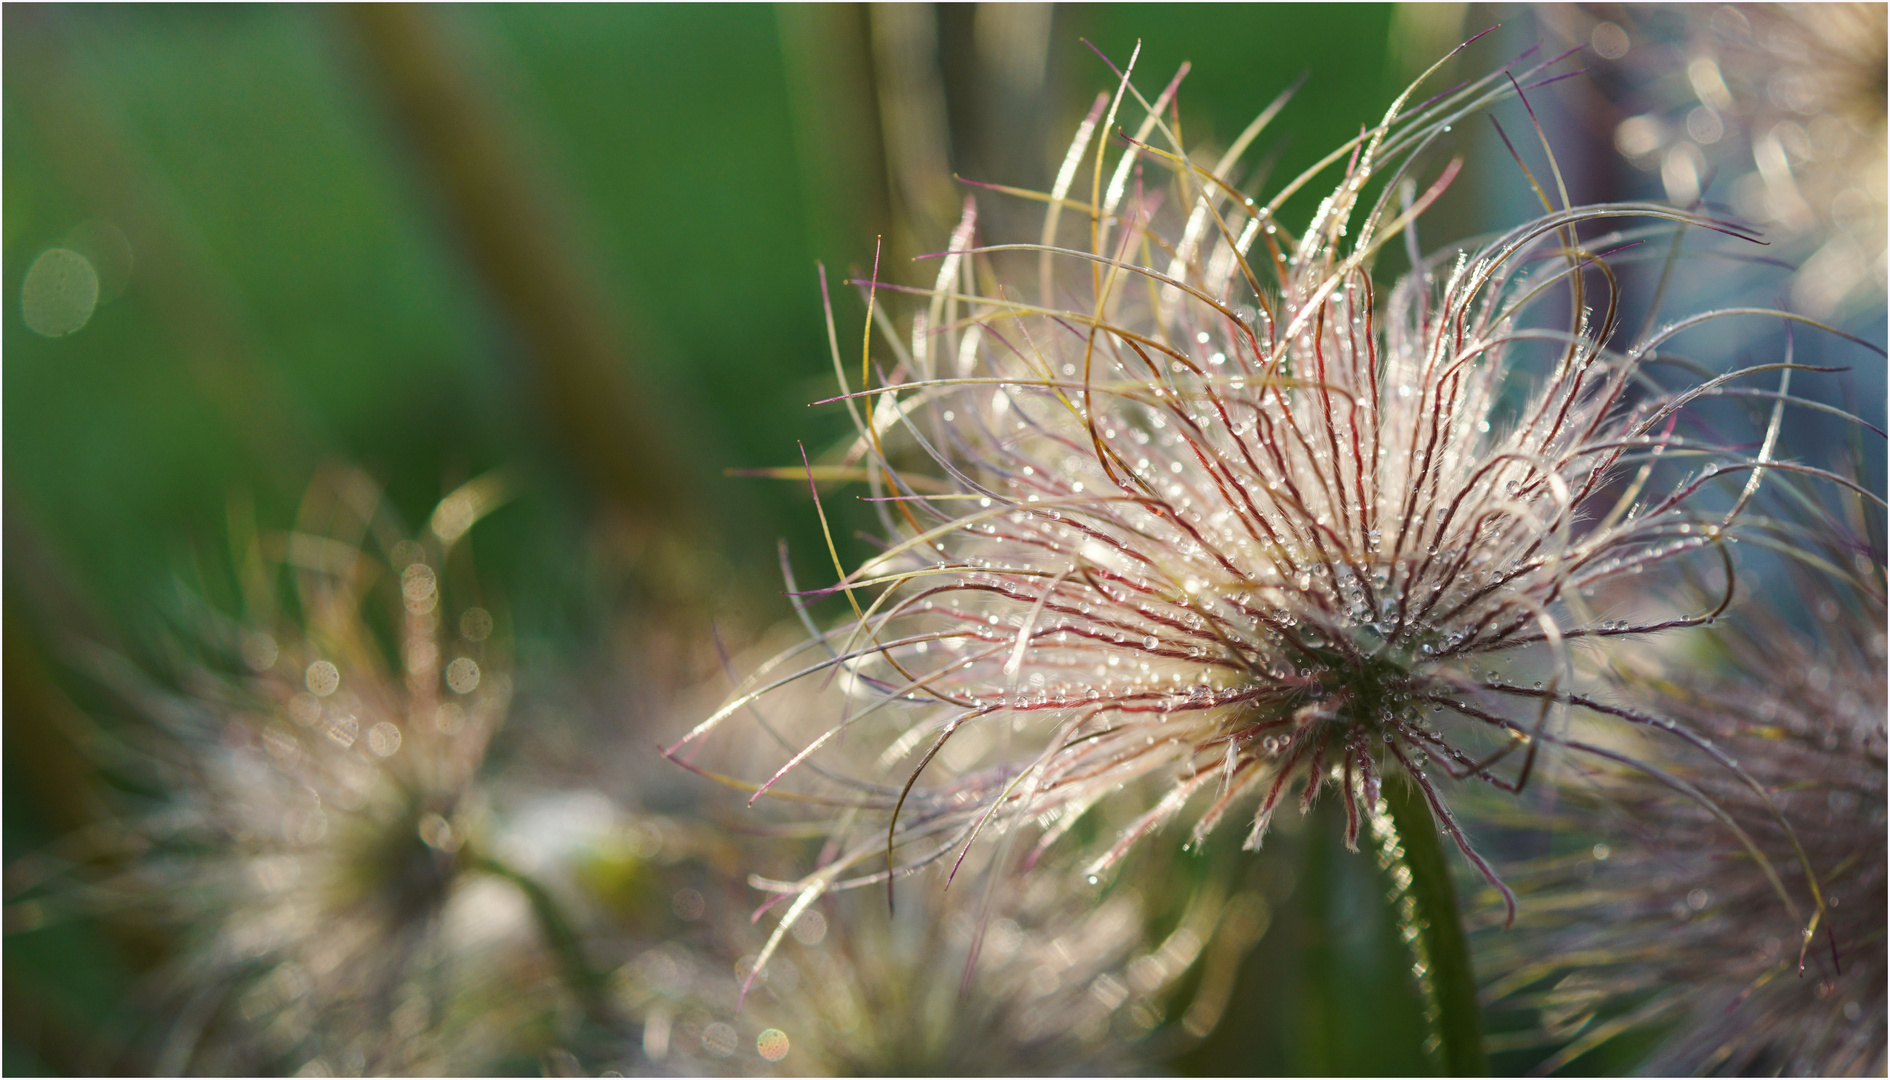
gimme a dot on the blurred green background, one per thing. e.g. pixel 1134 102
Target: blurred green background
pixel 315 202
pixel 575 243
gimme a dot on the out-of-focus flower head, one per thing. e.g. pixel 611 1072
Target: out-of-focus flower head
pixel 1034 980
pixel 1672 921
pixel 1777 108
pixel 322 801
pixel 1192 500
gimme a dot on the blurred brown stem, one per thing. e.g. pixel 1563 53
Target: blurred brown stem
pixel 502 214
pixel 827 55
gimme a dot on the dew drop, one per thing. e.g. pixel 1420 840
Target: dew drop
pixel 462 675
pixel 322 678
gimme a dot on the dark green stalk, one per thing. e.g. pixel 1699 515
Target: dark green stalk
pixel 1426 900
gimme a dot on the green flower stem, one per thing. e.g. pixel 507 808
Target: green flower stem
pixel 1427 906
pixel 560 937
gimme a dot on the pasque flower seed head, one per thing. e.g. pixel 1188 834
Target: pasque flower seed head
pixel 1175 498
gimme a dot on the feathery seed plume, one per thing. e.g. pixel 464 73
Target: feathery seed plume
pixel 1177 500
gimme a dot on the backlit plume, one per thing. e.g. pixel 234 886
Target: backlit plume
pixel 1179 501
pixel 1672 926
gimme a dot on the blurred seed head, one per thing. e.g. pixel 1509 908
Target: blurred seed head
pixel 1775 108
pixel 1664 918
pixel 315 845
pixel 1056 984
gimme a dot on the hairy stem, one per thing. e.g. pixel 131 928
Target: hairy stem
pixel 1426 900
